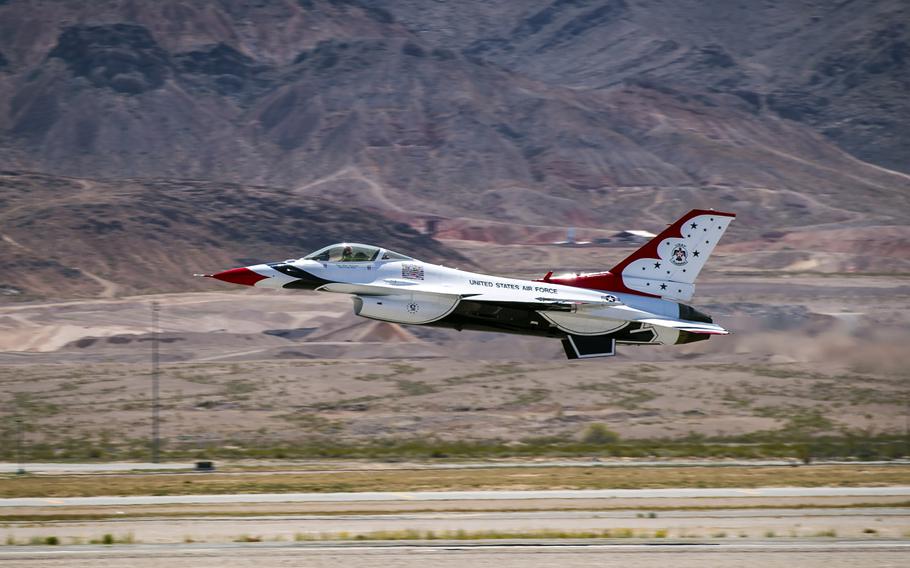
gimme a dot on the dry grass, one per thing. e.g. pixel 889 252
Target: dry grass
pixel 442 480
pixel 244 510
pixel 429 535
pixel 547 534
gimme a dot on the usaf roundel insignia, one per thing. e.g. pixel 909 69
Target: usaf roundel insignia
pixel 680 255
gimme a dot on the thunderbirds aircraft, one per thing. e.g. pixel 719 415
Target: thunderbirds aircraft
pixel 638 301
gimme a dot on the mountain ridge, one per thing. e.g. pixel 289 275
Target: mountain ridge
pixel 545 113
pixel 77 237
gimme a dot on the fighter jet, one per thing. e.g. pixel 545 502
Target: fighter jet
pixel 639 301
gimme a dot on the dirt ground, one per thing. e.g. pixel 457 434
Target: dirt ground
pixel 264 367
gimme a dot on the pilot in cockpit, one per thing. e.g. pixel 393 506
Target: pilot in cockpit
pixel 347 255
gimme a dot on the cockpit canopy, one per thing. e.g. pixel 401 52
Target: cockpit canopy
pixel 353 252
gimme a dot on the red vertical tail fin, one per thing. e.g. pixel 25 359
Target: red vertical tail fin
pixel 668 264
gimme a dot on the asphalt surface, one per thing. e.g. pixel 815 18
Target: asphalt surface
pixel 458 496
pixel 8 467
pixel 683 524
pixel 763 554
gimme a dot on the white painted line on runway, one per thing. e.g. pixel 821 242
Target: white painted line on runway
pixel 535 545
pixel 899 491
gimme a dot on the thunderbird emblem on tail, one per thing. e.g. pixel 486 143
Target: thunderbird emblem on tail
pixel 680 255
pixel 643 304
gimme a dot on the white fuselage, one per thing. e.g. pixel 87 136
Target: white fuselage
pixel 415 292
pixel 635 302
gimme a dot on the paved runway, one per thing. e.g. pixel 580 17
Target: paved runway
pixel 902 491
pixel 8 467
pixel 748 537
pixel 886 522
pixel 837 554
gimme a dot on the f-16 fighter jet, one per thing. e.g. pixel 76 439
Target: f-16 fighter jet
pixel 638 301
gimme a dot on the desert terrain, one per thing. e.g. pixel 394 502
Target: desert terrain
pixel 142 143
pixel 811 354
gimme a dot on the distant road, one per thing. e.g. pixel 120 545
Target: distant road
pixel 900 491
pixel 291 466
pixel 113 467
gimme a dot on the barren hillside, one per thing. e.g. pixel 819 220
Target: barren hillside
pixel 70 237
pixel 559 113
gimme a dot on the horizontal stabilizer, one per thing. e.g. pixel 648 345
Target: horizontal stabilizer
pixel 690 326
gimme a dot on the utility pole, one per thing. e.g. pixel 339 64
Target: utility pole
pixel 21 469
pixel 156 442
pixel 907 426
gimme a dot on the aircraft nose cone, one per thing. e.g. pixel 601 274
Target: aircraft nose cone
pixel 243 276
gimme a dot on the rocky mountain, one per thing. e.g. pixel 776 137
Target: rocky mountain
pixel 840 67
pixel 66 237
pixel 545 112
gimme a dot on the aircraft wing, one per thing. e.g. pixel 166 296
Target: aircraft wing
pixel 621 312
pixel 390 287
pixel 540 303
